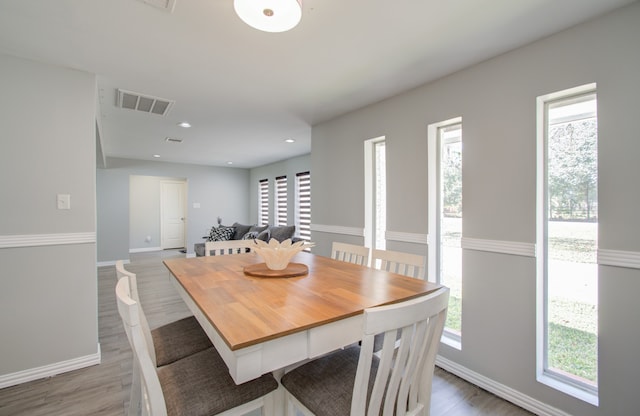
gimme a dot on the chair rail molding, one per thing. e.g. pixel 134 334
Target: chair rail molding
pixel 338 229
pixel 618 258
pixel 36 240
pixel 502 247
pixel 404 237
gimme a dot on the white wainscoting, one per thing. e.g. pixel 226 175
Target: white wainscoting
pixel 37 240
pixel 49 370
pixel 500 390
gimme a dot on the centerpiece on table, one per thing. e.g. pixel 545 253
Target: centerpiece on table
pixel 277 258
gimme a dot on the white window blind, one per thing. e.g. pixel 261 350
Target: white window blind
pixel 281 200
pixel 303 205
pixel 263 201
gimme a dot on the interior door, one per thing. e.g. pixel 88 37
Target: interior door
pixel 172 213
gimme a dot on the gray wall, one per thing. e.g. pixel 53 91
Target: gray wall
pixel 287 167
pixel 497 102
pixel 48 298
pixel 220 192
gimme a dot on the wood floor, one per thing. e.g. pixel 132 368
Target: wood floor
pixel 103 390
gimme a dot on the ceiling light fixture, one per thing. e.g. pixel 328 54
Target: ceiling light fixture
pixel 269 15
pixel 184 124
pixel 290 140
pixel 156 156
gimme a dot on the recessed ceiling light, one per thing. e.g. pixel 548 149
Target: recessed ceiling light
pixel 184 124
pixel 290 141
pixel 156 155
pixel 229 163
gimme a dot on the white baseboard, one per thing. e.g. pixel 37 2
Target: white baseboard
pixel 49 370
pixel 144 250
pixel 500 390
pixel 112 262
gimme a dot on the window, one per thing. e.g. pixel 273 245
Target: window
pixel 303 205
pixel 375 193
pixel 445 219
pixel 281 200
pixel 263 201
pixel 567 235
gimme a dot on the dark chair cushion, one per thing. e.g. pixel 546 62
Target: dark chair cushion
pixel 281 233
pixel 325 385
pixel 200 385
pixel 179 339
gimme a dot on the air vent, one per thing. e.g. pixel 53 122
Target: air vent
pixel 167 5
pixel 173 140
pixel 145 103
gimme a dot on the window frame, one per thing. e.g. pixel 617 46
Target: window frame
pixel 434 147
pixel 553 379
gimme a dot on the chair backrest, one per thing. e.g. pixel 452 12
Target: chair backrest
pixel 133 288
pixel 350 253
pixel 133 281
pixel 219 248
pixel 130 314
pixel 404 376
pixel 407 264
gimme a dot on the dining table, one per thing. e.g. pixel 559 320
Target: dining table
pixel 261 324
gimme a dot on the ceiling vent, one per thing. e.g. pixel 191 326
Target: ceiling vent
pixel 167 5
pixel 145 103
pixel 173 140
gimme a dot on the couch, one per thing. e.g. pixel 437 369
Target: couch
pixel 247 232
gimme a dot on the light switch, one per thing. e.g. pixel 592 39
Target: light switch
pixel 64 201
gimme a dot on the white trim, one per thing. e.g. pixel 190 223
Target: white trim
pixel 503 247
pixel 37 240
pixel 144 249
pixel 338 229
pixel 407 237
pixel 500 390
pixel 50 370
pixel 618 258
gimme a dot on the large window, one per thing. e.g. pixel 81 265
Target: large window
pixel 445 219
pixel 303 205
pixel 263 201
pixel 375 193
pixel 281 200
pixel 567 238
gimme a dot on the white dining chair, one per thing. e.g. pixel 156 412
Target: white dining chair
pixel 219 248
pixel 197 385
pixel 354 380
pixel 350 253
pixel 406 264
pixel 167 343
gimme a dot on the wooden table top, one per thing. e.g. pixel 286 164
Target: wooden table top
pixel 248 310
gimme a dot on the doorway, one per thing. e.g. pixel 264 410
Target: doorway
pixel 172 213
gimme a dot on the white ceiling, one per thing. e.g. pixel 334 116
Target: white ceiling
pixel 246 91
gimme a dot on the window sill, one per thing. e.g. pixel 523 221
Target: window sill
pixel 590 397
pixel 451 340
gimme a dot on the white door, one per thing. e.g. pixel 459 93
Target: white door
pixel 172 213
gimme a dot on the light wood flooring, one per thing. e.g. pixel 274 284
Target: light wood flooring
pixel 103 390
